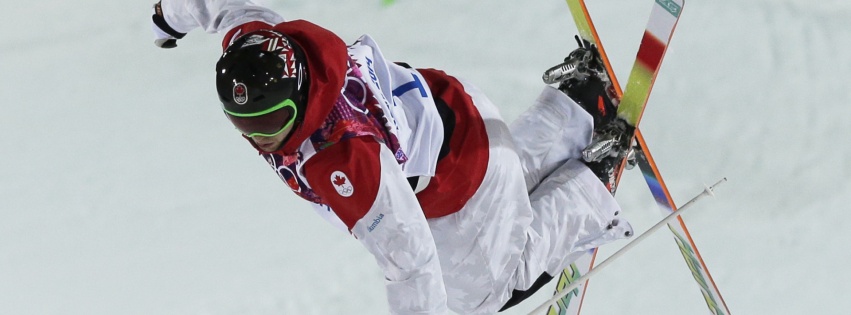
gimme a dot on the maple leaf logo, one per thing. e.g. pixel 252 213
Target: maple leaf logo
pixel 342 184
pixel 339 181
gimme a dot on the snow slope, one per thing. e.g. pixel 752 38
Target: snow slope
pixel 123 190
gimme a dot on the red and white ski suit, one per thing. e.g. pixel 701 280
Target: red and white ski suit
pixel 459 209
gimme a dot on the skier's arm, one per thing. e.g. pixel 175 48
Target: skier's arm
pixel 172 19
pixel 361 180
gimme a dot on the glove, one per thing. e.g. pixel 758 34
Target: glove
pixel 166 37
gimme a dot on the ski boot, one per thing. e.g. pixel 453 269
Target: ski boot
pixel 583 77
pixel 610 145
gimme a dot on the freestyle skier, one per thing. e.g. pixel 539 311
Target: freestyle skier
pixel 461 211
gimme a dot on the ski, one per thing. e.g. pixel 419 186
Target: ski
pixel 688 249
pixel 660 26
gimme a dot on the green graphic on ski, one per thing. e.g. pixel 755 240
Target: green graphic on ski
pixel 694 261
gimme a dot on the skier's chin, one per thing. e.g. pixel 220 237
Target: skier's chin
pixel 269 146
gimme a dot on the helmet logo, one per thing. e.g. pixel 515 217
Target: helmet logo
pixel 240 93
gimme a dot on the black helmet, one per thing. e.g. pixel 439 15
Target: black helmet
pixel 262 82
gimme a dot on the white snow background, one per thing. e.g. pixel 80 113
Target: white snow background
pixel 124 190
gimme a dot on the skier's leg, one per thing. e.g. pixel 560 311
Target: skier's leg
pixel 481 246
pixel 572 213
pixel 553 130
pixel 572 210
pixel 497 245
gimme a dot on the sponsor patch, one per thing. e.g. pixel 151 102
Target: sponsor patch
pixel 342 184
pixel 375 222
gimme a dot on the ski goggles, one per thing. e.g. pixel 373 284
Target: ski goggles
pixel 267 123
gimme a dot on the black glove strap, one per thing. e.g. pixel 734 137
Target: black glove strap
pixel 160 22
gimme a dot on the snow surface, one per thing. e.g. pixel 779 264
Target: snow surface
pixel 124 190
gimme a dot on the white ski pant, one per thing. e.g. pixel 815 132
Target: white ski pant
pixel 537 210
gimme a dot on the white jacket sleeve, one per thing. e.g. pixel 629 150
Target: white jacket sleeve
pixel 214 16
pixel 395 231
pixel 363 183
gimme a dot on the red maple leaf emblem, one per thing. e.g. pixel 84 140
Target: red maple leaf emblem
pixel 339 181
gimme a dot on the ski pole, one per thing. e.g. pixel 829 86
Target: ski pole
pixel 708 191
